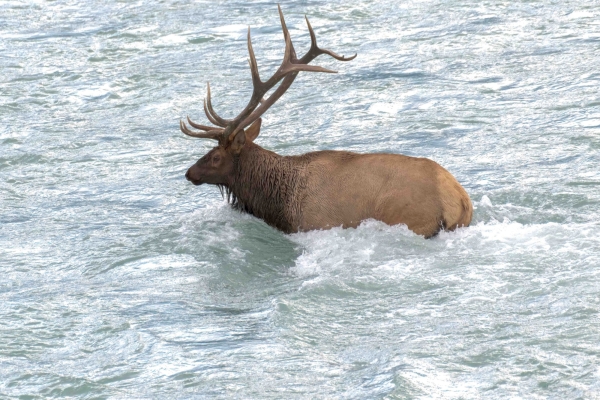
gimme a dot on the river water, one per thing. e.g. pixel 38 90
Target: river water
pixel 120 279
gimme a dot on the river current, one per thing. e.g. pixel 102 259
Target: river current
pixel 120 279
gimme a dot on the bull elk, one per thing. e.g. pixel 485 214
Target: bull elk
pixel 322 189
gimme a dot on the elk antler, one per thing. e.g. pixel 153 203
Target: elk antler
pixel 290 66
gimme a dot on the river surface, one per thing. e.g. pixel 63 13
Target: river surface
pixel 120 279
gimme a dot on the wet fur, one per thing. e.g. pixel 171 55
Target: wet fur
pixel 299 193
pixel 268 186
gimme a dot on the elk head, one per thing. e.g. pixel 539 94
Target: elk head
pixel 218 165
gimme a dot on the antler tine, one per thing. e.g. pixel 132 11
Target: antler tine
pixel 208 115
pixel 210 112
pixel 198 126
pixel 253 64
pixel 290 52
pixel 212 134
pixel 315 50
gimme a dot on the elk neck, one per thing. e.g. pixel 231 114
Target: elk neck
pixel 268 186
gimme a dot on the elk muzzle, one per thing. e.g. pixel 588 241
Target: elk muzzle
pixel 193 175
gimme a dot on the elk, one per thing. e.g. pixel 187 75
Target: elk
pixel 322 189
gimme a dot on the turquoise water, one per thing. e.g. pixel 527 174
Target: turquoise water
pixel 123 280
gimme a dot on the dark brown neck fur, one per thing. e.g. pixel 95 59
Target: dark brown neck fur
pixel 268 186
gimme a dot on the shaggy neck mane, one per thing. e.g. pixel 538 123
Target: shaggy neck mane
pixel 267 186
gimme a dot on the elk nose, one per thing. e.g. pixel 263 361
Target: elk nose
pixel 187 175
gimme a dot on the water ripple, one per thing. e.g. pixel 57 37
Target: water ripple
pixel 122 280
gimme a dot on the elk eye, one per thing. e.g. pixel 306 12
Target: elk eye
pixel 216 159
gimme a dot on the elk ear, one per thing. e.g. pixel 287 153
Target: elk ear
pixel 253 131
pixel 238 142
